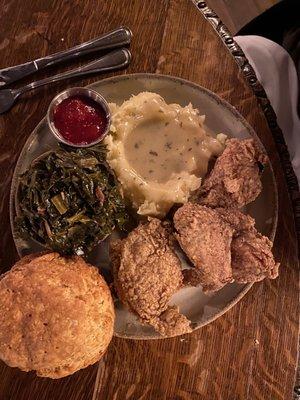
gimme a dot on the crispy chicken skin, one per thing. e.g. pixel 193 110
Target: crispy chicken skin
pixel 251 256
pixel 147 272
pixel 235 178
pixel 238 221
pixel 223 245
pixel 206 240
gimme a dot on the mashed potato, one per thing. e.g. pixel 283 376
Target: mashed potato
pixel 159 151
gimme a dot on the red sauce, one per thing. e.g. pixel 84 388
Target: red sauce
pixel 80 120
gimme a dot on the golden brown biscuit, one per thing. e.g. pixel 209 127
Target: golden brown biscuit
pixel 56 315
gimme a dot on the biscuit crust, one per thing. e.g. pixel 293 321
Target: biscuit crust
pixel 56 315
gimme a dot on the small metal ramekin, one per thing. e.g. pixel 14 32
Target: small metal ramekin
pixel 74 92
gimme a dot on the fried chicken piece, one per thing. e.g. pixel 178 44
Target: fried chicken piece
pixel 172 323
pixel 147 272
pixel 192 277
pixel 200 233
pixel 235 178
pixel 238 221
pixel 206 240
pixel 251 256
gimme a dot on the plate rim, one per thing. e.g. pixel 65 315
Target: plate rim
pixel 219 101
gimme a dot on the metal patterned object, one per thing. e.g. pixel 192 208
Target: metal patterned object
pixel 264 102
pixel 262 97
pixel 271 118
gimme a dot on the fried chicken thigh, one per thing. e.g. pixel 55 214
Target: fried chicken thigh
pixel 206 240
pixel 147 272
pixel 223 245
pixel 235 178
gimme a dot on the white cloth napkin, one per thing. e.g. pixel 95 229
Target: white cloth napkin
pixel 276 72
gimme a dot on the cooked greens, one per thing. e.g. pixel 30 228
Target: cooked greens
pixel 69 200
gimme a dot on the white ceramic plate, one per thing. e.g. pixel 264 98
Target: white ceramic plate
pixel 200 308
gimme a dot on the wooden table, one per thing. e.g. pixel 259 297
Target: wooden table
pixel 250 352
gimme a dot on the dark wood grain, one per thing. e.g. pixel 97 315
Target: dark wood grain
pixel 249 353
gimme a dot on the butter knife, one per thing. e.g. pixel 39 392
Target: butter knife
pixel 116 38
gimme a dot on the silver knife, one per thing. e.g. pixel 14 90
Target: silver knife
pixel 116 38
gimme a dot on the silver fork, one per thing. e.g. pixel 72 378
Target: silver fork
pixel 110 62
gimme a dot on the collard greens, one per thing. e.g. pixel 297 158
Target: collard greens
pixel 69 200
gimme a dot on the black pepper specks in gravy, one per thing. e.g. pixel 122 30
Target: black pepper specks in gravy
pixel 157 148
